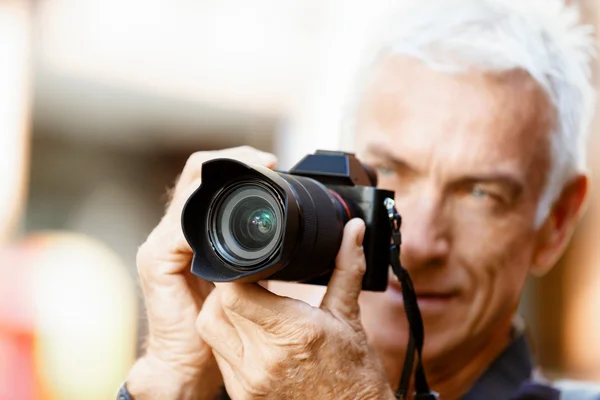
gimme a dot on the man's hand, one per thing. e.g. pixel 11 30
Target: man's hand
pixel 178 364
pixel 271 347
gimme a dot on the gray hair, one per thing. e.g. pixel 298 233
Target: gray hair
pixel 541 37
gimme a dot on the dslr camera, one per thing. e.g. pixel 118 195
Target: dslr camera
pixel 248 223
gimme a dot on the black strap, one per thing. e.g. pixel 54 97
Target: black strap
pixel 413 314
pixel 409 362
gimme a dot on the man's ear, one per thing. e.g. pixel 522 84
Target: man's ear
pixel 556 232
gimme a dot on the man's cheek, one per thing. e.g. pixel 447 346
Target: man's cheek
pixel 477 270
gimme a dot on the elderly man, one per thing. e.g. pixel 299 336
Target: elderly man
pixel 474 113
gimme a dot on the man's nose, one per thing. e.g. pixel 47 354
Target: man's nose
pixel 425 237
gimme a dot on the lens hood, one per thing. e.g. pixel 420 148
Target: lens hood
pixel 210 262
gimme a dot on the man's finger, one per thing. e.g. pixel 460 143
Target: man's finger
pixel 216 330
pixel 255 303
pixel 192 172
pixel 345 284
pixel 232 377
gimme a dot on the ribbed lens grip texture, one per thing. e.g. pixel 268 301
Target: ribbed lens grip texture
pixel 322 229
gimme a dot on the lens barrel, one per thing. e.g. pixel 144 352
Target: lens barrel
pixel 249 223
pixel 323 214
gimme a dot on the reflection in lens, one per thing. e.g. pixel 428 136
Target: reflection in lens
pixel 253 223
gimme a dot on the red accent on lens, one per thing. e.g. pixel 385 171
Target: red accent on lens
pixel 337 196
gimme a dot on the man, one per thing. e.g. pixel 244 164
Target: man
pixel 475 114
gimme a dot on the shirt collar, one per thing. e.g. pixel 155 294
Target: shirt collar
pixel 507 373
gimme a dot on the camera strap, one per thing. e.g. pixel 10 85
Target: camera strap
pixel 413 314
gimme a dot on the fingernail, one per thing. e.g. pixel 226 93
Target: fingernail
pixel 360 236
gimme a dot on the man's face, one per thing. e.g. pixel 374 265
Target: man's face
pixel 467 158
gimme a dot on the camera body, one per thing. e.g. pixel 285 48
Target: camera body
pixel 248 223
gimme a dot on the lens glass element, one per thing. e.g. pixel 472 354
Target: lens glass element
pixel 246 224
pixel 253 223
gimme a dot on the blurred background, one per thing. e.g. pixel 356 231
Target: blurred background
pixel 101 102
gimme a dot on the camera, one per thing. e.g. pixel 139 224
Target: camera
pixel 249 223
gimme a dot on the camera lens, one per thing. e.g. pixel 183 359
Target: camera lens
pixel 246 224
pixel 253 223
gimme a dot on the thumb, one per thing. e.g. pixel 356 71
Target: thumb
pixel 345 284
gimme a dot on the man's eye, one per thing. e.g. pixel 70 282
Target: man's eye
pixel 479 192
pixel 383 170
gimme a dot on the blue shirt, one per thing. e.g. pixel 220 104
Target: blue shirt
pixel 510 377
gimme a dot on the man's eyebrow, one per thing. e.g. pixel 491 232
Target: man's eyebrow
pixel 514 184
pixel 504 178
pixel 382 153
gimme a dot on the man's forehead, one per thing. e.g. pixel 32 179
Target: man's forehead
pixel 406 99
